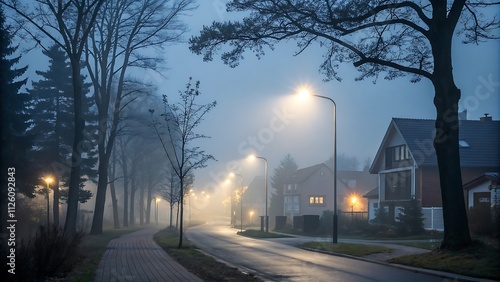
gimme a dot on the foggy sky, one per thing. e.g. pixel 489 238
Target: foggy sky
pixel 249 96
pixel 256 103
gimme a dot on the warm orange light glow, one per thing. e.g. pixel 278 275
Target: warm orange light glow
pixel 251 157
pixel 48 179
pixel 158 200
pixel 354 199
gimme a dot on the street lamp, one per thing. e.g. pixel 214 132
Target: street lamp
pixel 266 219
pixel 48 180
pixel 157 200
pixel 306 92
pixel 241 199
pixel 354 200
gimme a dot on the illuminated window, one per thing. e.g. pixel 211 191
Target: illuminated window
pixel 316 200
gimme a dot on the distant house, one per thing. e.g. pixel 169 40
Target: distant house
pixel 310 190
pixel 373 202
pixel 253 203
pixel 483 190
pixel 406 163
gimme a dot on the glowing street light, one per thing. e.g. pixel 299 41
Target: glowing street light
pixel 304 92
pixel 48 180
pixel 354 200
pixel 266 219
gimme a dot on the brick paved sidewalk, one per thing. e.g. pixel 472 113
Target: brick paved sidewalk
pixel 137 257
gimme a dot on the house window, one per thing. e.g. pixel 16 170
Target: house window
pixel 321 173
pixel 400 153
pixel 375 205
pixel 397 156
pixel 316 200
pixel 398 185
pixel 292 205
pixel 296 204
pixel 463 144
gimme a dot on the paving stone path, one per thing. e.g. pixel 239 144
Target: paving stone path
pixel 137 257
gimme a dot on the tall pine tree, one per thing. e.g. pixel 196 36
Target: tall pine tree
pixel 53 118
pixel 286 169
pixel 15 142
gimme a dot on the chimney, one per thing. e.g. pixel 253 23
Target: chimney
pixel 486 118
pixel 462 115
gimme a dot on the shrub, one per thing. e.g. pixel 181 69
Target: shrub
pixel 382 217
pixel 480 220
pixel 49 254
pixel 411 219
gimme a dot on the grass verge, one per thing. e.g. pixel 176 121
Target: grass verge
pixel 203 266
pixel 357 250
pixel 261 234
pixel 422 245
pixel 479 260
pixel 91 250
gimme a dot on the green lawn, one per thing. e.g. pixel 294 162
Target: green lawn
pixel 358 250
pixel 261 234
pixel 479 260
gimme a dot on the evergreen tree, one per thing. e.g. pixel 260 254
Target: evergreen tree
pixel 411 219
pixel 15 142
pixel 53 117
pixel 382 217
pixel 286 169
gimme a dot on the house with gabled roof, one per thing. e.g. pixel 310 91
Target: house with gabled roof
pixel 406 163
pixel 309 191
pixel 483 190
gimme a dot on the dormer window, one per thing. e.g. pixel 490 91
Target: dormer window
pixel 463 144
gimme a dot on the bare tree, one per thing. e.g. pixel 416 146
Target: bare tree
pixel 67 23
pixel 124 31
pixel 392 37
pixel 177 128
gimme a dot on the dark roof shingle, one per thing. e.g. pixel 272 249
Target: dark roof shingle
pixel 483 138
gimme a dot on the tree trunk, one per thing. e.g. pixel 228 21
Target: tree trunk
pixel 100 198
pixel 456 228
pixel 125 188
pixel 181 219
pixel 55 203
pixel 141 205
pixel 114 200
pixel 148 205
pixel 76 157
pixel 171 214
pixel 447 95
pixel 133 188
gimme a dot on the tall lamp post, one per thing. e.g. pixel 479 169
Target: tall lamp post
pixel 306 92
pixel 266 220
pixel 48 180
